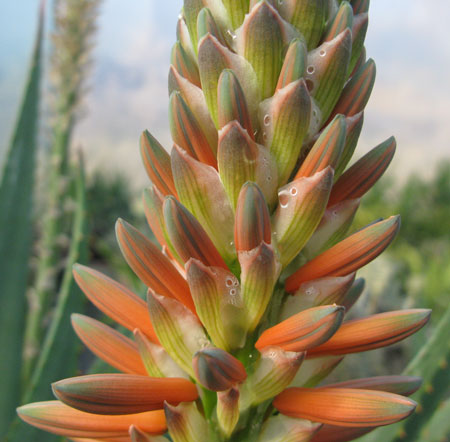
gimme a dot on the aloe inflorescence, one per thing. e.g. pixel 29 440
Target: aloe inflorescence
pixel 254 270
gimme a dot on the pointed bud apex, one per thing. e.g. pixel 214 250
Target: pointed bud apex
pixel 261 41
pixel 114 300
pixel 308 16
pixel 327 149
pixel 185 423
pixel 186 131
pixel 156 360
pixel 302 204
pixel 213 58
pixel 342 20
pixel 353 294
pixel 333 227
pixel 218 301
pixel 260 271
pixel 294 64
pixel 287 429
pixel 207 25
pixel 241 159
pixel 195 100
pixel 274 371
pixel 157 164
pixel 373 332
pixel 110 393
pixel 305 330
pixel 108 344
pixel 357 91
pixel 185 64
pixel 404 385
pixel 359 30
pixel 179 330
pixel 184 38
pixel 360 6
pixel 187 235
pixel 360 177
pixel 322 291
pixel 354 125
pixel 201 191
pixel 231 102
pixel 217 370
pixel 58 418
pixel 326 71
pixel 153 268
pixel 314 371
pixel 252 224
pixel 137 435
pixel 349 255
pixel 228 410
pixel 284 119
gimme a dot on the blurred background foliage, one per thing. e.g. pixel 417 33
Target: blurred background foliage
pixel 62 216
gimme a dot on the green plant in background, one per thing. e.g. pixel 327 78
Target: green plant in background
pixel 34 331
pixel 256 268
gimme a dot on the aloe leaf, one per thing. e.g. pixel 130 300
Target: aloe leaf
pixel 55 362
pixel 16 200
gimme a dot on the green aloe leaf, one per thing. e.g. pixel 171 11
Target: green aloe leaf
pixel 16 204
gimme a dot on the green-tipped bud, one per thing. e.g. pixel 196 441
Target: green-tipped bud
pixel 187 132
pixel 232 103
pixel 359 30
pixel 333 227
pixel 188 236
pixel 282 428
pixel 201 191
pixel 360 6
pixel 185 64
pixel 195 100
pixel 157 163
pixel 327 149
pixel 218 301
pixel 261 41
pixel 184 38
pixel 185 423
pixel 260 271
pixel 178 330
pixel 326 71
pixel 294 63
pixel 273 372
pixel 353 294
pixel 284 121
pixel 354 125
pixel 240 160
pixel 156 360
pixel 213 59
pixel 207 25
pixel 342 20
pixel 217 370
pixel 228 410
pixel 302 204
pixel 323 291
pixel 252 225
pixel 308 16
pixel 314 371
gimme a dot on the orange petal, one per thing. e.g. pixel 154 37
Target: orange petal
pixel 122 393
pixel 339 434
pixel 151 266
pixel 114 300
pixel 157 164
pixel 348 255
pixel 345 407
pixel 303 330
pixel 360 177
pixel 57 418
pixel 188 236
pixel 404 385
pixel 373 332
pixel 108 344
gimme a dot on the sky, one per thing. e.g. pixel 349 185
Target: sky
pixel 128 86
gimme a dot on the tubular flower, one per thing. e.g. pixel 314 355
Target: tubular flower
pixel 254 266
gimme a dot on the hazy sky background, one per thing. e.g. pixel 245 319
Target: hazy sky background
pixel 407 38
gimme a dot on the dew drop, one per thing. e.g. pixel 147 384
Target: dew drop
pixel 322 53
pixel 310 69
pixel 284 199
pixel 335 213
pixel 280 2
pixel 293 191
pixel 309 84
pixel 266 120
pixel 250 356
pixel 269 178
pixel 232 292
pixel 229 282
pixel 180 16
pixel 311 291
pixel 231 34
pixel 272 355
